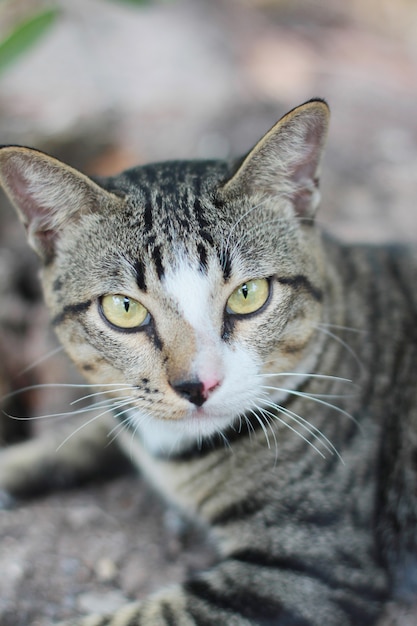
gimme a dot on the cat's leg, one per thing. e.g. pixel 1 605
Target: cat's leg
pixel 47 463
pixel 237 593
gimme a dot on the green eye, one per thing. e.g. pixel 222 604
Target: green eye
pixel 249 297
pixel 122 311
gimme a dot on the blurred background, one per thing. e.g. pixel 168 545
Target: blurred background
pixel 107 84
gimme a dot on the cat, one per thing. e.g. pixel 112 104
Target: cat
pixel 263 374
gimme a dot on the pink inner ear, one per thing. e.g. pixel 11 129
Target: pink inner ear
pixel 302 201
pixel 46 241
pixel 304 173
pixel 18 185
pixel 46 193
pixel 23 183
pixel 306 168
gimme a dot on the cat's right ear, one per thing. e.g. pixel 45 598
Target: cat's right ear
pixel 46 194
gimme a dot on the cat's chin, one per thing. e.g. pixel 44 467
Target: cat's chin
pixel 175 436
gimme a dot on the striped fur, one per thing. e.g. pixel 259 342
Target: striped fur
pixel 290 432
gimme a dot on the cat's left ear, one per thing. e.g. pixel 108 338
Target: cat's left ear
pixel 47 194
pixel 286 161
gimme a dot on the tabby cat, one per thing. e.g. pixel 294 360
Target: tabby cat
pixel 264 375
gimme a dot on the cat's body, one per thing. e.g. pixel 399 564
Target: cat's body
pixel 264 376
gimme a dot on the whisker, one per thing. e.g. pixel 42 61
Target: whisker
pixel 239 417
pixel 308 396
pixel 77 430
pixel 294 430
pixel 308 426
pixel 302 375
pixel 199 436
pixel 322 395
pixel 345 345
pixel 120 426
pixel 99 393
pixel 42 386
pixel 140 419
pixel 269 421
pixel 262 425
pixel 64 414
pixel 349 329
pixel 41 359
pixel 248 423
pixel 108 401
pixel 225 440
pixel 84 425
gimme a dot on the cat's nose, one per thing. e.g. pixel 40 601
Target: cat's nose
pixel 195 391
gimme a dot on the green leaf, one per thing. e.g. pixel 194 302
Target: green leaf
pixel 24 36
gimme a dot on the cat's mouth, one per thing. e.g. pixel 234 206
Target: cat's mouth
pixel 203 413
pixel 163 435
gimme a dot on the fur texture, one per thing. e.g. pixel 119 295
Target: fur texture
pixel 289 431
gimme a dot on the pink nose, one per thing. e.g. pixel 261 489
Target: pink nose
pixel 209 385
pixel 195 391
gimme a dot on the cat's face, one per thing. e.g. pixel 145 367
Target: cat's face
pixel 182 286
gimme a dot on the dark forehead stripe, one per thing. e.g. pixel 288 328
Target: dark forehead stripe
pixel 159 201
pixel 157 259
pixel 147 215
pixel 140 275
pixel 184 202
pixel 206 236
pixel 226 265
pixel 199 214
pixel 175 203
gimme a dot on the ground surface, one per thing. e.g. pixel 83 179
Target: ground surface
pixel 112 86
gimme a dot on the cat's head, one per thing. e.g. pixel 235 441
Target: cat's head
pixel 182 283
